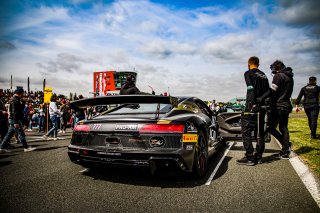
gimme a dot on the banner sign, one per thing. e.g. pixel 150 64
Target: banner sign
pixel 47 94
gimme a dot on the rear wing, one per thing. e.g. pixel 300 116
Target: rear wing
pixel 124 99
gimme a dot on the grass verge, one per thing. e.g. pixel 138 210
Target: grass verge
pixel 308 149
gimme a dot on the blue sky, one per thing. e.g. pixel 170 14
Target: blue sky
pixel 190 47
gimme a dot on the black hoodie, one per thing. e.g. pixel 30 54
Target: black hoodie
pixel 311 96
pixel 282 87
pixel 16 109
pixel 257 87
pixel 129 88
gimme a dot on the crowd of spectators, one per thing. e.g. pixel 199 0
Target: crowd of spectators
pixel 35 110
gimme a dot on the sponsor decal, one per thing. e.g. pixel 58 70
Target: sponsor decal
pixel 126 127
pixel 163 122
pixel 189 138
pixel 156 141
pixel 96 126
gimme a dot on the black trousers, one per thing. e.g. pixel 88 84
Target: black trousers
pixel 3 128
pixel 12 130
pixel 280 117
pixel 312 113
pixel 249 124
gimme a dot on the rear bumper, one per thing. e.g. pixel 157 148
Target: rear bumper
pixel 170 160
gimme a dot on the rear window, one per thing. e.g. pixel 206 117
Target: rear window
pixel 140 109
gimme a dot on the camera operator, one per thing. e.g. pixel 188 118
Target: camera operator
pixel 310 104
pixel 129 88
pixel 282 87
pixel 257 90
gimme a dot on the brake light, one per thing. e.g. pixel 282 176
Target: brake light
pixel 173 128
pixel 82 128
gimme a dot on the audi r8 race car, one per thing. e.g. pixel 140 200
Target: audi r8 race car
pixel 159 132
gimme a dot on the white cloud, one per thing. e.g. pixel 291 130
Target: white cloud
pixel 36 17
pixel 229 48
pixel 201 52
pixel 163 49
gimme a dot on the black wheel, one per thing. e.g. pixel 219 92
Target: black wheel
pixel 200 162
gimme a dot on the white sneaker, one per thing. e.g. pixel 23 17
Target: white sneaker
pixel 45 137
pixel 55 139
pixel 60 131
pixel 4 150
pixel 29 130
pixel 63 131
pixel 29 149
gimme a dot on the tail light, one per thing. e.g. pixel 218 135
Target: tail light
pixel 162 128
pixel 81 128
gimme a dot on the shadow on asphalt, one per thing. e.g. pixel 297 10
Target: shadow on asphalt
pixel 269 159
pixel 49 148
pixel 143 177
pixel 240 148
pixel 3 156
pixel 5 163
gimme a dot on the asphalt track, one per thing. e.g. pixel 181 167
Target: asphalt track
pixel 46 181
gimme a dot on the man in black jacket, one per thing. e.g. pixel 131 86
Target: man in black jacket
pixel 257 90
pixel 282 87
pixel 129 87
pixel 15 122
pixel 310 104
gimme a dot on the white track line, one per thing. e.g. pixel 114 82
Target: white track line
pixel 219 164
pixel 84 170
pixel 306 176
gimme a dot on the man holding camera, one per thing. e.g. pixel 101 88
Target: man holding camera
pixel 253 117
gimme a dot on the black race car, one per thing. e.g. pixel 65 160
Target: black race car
pixel 229 126
pixel 160 132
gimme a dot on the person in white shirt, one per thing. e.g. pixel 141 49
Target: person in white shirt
pixel 53 112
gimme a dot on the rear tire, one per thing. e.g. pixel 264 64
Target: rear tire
pixel 200 162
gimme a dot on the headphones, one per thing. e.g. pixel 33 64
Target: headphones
pixel 276 66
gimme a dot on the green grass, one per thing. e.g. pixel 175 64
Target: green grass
pixel 308 149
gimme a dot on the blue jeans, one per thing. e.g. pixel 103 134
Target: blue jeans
pixel 12 130
pixel 53 130
pixel 41 123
